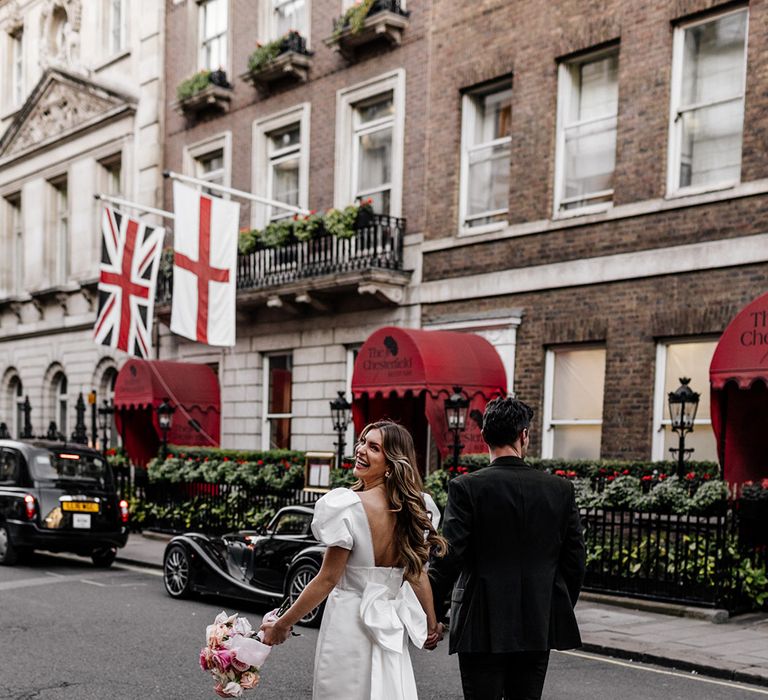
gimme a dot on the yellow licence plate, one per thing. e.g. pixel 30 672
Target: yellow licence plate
pixel 80 506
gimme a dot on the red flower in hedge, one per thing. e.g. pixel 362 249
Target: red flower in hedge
pixel 260 462
pixel 559 472
pixel 690 476
pixel 225 459
pixel 647 477
pixel 462 470
pixel 764 483
pixel 662 477
pixel 611 478
pixel 625 472
pixel 707 476
pixel 570 473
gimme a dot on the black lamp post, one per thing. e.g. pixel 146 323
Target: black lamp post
pixel 683 403
pixel 456 406
pixel 26 409
pixel 80 433
pixel 165 420
pixel 105 412
pixel 340 409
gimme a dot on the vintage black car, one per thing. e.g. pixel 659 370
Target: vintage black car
pixel 59 497
pixel 263 566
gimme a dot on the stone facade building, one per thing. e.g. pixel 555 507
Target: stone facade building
pixel 80 90
pixel 582 185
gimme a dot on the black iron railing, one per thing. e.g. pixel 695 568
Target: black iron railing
pixel 690 559
pixel 376 244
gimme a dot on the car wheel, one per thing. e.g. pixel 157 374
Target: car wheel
pixel 297 582
pixel 176 572
pixel 9 555
pixel 104 556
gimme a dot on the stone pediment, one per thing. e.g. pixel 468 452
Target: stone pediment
pixel 60 105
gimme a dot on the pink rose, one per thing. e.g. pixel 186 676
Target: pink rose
pixel 239 665
pixel 222 659
pixel 205 658
pixel 249 680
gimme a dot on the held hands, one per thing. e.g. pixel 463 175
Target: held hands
pixel 434 636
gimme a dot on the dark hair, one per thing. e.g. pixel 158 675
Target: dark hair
pixel 504 419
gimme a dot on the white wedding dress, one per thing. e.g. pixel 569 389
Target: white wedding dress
pixel 362 651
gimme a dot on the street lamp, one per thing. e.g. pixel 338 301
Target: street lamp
pixel 340 409
pixel 683 403
pixel 165 420
pixel 456 406
pixel 105 412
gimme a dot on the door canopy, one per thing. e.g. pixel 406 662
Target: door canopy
pixel 738 377
pixel 192 390
pixel 405 362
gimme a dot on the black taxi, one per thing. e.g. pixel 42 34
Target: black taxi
pixel 59 497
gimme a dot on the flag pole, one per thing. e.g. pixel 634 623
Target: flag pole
pixel 133 205
pixel 237 193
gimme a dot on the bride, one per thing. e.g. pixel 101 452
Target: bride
pixel 373 575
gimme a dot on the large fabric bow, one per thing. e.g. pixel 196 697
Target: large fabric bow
pixel 386 617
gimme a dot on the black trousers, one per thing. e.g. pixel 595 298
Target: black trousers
pixel 515 676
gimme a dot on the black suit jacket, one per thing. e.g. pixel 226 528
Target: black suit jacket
pixel 516 555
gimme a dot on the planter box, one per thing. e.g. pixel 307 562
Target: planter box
pixel 213 97
pixel 290 65
pixel 384 25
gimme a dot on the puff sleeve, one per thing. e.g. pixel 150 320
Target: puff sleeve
pixel 332 523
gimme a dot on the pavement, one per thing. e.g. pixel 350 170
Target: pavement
pixel 698 640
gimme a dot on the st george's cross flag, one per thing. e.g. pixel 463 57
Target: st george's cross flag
pixel 130 259
pixel 204 266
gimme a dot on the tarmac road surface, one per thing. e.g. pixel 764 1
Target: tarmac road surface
pixel 72 631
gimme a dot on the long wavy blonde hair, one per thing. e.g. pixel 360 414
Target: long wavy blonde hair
pixel 404 488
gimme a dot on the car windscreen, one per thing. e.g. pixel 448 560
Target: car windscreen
pixel 71 465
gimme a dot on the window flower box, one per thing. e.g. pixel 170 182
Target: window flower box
pixel 286 58
pixel 368 21
pixel 205 90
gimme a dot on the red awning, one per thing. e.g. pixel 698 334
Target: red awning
pixel 738 377
pixel 192 389
pixel 742 353
pixel 407 362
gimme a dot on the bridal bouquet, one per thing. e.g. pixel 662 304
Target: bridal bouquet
pixel 233 655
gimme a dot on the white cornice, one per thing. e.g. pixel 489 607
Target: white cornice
pixel 711 255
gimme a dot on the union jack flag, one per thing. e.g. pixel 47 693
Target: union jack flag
pixel 130 258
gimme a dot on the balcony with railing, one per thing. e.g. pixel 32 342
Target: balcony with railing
pixel 312 272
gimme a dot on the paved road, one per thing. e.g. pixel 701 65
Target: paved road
pixel 72 631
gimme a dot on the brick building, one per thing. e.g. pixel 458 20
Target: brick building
pixel 583 186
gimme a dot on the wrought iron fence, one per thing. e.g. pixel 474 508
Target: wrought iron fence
pixel 692 559
pixel 376 244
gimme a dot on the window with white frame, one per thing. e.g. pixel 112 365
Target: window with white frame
pixel 60 405
pixel 60 232
pixel 16 405
pixel 286 16
pixel 370 129
pixel 16 68
pixel 210 160
pixel 213 34
pixel 281 163
pixel 486 117
pixel 112 175
pixel 707 110
pixel 588 102
pixel 278 394
pixel 116 24
pixel 16 243
pixel 573 403
pixel 676 359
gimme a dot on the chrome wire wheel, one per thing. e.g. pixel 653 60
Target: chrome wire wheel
pixel 297 583
pixel 176 572
pixel 3 543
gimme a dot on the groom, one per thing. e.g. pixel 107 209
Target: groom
pixel 516 555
